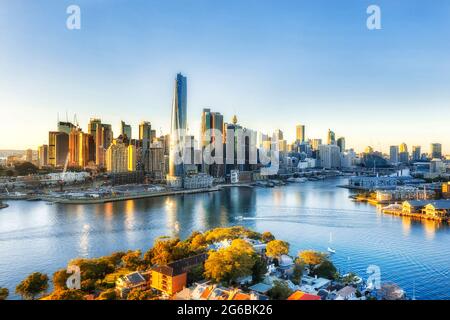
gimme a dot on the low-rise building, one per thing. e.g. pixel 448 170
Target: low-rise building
pixel 438 208
pixel 129 282
pixel 299 295
pixel 172 278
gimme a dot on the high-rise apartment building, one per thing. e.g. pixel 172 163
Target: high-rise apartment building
pixel 330 156
pixel 436 151
pixel 125 130
pixel 416 153
pixel 331 137
pixel 394 154
pixel 178 126
pixel 341 144
pixel 300 133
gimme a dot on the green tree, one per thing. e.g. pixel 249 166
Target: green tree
pixel 259 270
pixel 297 273
pixel 195 274
pixel 132 260
pixel 33 285
pixel 25 168
pixel 4 292
pixel 276 248
pixel 68 294
pixel 325 270
pixel 311 258
pixel 109 294
pixel 279 291
pixel 141 294
pixel 228 264
pixel 60 278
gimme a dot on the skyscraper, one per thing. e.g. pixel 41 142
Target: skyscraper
pixel 341 143
pixel 436 151
pixel 331 138
pixel 42 155
pixel 416 153
pixel 404 154
pixel 178 125
pixel 300 133
pixel 145 136
pixel 212 125
pixel 125 130
pixel 393 154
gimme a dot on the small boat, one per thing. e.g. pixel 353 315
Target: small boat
pixel 330 249
pixel 239 218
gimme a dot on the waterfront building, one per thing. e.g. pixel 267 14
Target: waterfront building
pixel 446 190
pixel 117 157
pixel 438 209
pixel 329 156
pixel 61 148
pixel 331 137
pixel 402 193
pixel 341 144
pixel 125 131
pixel 198 181
pixel 300 133
pixel 373 183
pixel 157 160
pixel 178 126
pixel 42 155
pixel 132 158
pixel 172 278
pixel 126 283
pixel 436 151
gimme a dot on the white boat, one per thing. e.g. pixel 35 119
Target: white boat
pixel 330 249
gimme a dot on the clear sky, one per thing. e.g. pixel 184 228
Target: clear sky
pixel 273 63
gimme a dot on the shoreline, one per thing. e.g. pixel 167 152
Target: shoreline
pixel 128 197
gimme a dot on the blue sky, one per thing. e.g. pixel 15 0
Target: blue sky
pixel 273 63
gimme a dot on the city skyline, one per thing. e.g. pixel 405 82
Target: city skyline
pixel 323 69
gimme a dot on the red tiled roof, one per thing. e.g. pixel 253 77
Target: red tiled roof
pixel 299 295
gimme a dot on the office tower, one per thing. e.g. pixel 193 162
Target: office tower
pixel 29 155
pixel 282 146
pixel 300 133
pixel 157 165
pixel 131 157
pixel 403 147
pixel 178 126
pixel 278 134
pixel 42 155
pixel 211 134
pixel 107 135
pixel 85 150
pixel 51 148
pixel 368 150
pixel 125 130
pixel 436 151
pixel 65 127
pixel 315 143
pixel 145 136
pixel 117 157
pixel 341 143
pixel 95 130
pixel 416 153
pixel 403 153
pixel 330 157
pixel 394 154
pixel 61 148
pixel 331 138
pixel 74 149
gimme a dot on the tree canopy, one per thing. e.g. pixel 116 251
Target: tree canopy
pixel 33 285
pixel 4 292
pixel 311 258
pixel 276 248
pixel 228 264
pixel 68 294
pixel 279 291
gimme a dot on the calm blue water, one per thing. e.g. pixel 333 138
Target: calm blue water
pixel 35 236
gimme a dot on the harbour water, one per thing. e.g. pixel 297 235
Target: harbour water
pixel 35 236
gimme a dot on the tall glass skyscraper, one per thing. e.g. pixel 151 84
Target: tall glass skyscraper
pixel 178 125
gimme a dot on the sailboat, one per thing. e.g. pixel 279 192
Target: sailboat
pixel 330 249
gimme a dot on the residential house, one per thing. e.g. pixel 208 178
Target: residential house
pixel 129 282
pixel 346 293
pixel 299 295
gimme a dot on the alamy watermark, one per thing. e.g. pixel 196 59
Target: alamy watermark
pixel 73 21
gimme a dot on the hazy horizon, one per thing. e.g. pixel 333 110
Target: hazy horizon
pixel 274 64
